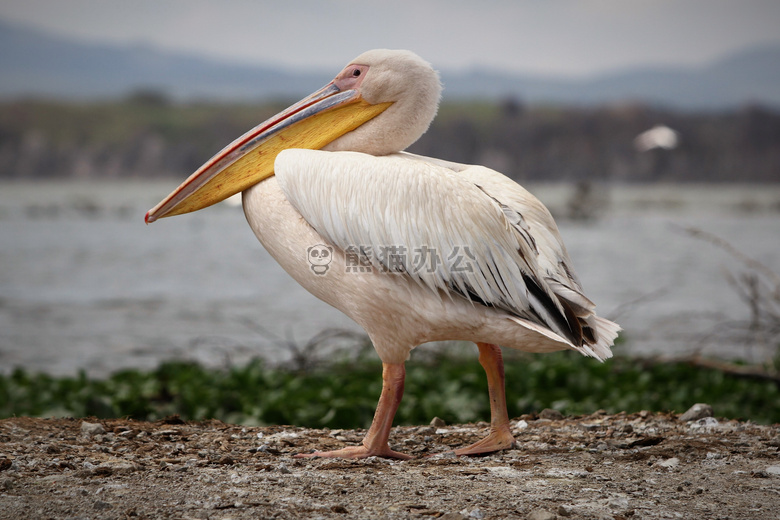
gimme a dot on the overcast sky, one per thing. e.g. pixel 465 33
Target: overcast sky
pixel 555 37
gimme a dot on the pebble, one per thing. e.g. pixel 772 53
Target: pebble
pixel 619 503
pixel 549 413
pixel 669 463
pixel 438 423
pixel 452 516
pixel 541 514
pixel 100 505
pixel 696 412
pixel 564 510
pixel 707 423
pixel 166 433
pixel 773 470
pixel 474 513
pixel 88 428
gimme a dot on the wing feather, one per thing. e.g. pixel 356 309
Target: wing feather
pixel 454 229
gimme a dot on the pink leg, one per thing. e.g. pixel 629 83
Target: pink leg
pixel 375 442
pixel 500 437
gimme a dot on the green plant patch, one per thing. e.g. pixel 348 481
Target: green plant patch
pixel 344 393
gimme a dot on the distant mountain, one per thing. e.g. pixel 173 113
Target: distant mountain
pixel 748 77
pixel 36 64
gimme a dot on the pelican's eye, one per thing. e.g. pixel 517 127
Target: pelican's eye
pixel 351 77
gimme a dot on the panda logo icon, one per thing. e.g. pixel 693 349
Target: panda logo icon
pixel 320 257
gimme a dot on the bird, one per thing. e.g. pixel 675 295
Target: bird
pixel 413 249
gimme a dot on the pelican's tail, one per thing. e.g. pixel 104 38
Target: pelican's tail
pixel 588 333
pixel 605 334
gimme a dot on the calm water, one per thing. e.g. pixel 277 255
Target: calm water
pixel 85 284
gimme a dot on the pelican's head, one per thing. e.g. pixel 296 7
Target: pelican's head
pixel 380 103
pixel 398 77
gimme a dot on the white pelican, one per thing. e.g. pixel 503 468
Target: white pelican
pixel 413 249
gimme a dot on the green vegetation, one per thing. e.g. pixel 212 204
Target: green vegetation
pixel 343 393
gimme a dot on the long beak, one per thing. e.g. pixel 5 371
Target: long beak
pixel 310 123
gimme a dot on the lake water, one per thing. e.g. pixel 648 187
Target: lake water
pixel 84 284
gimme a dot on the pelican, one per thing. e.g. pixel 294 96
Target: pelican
pixel 413 249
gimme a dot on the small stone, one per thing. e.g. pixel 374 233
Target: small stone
pixel 92 428
pixel 100 505
pixel 452 516
pixel 669 463
pixel 618 503
pixel 707 423
pixel 438 423
pixel 696 412
pixel 265 448
pixel 541 514
pixel 226 460
pixel 284 469
pixel 166 433
pixel 553 415
pixel 564 510
pixel 474 513
pixel 339 509
pixel 773 470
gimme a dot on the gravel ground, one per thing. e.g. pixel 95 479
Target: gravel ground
pixel 598 466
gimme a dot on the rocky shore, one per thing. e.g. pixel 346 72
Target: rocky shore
pixel 601 466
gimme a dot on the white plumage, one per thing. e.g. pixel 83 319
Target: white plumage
pixel 470 217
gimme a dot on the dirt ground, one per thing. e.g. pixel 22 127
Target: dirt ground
pixel 599 466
